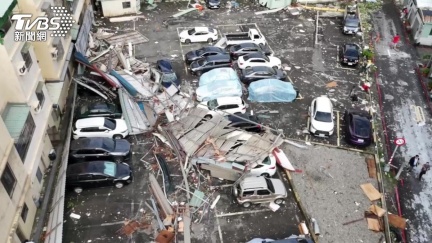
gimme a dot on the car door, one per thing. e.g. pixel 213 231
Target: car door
pixel 208 66
pixel 90 132
pixel 102 180
pixel 83 154
pixel 100 153
pixel 264 195
pixel 201 36
pixel 86 180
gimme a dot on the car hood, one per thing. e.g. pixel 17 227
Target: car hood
pixel 274 60
pixel 123 170
pixel 121 146
pixel 322 126
pixel 120 125
pixel 279 187
pixel 184 33
pixel 192 55
pixel 194 65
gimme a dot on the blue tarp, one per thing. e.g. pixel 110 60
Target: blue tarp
pixel 271 90
pixel 220 82
pixel 130 89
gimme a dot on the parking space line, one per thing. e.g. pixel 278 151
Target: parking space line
pixel 218 224
pixel 337 54
pixel 181 50
pixel 241 213
pixel 259 31
pixel 338 128
pixel 290 80
pixel 307 127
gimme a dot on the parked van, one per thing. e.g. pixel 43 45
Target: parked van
pixel 259 190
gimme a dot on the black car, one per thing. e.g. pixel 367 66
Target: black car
pixel 358 128
pixel 350 54
pixel 247 48
pixel 251 74
pixel 203 52
pixel 97 174
pixel 213 4
pixel 83 149
pixel 169 76
pixel 98 109
pixel 245 122
pixel 206 64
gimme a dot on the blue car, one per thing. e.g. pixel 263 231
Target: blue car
pixel 168 74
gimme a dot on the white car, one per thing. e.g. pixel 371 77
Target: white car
pixel 198 34
pixel 321 117
pixel 100 127
pixel 266 168
pixel 223 106
pixel 258 59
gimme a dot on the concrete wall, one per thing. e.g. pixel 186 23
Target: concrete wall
pixel 113 8
pixel 424 37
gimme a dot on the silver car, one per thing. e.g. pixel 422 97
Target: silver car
pixel 259 190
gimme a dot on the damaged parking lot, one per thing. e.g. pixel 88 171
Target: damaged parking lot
pixel 113 215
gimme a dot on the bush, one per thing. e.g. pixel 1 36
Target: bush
pixel 368 54
pixel 430 85
pixel 425 71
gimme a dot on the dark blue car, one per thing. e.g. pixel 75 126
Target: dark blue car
pixel 358 128
pixel 169 76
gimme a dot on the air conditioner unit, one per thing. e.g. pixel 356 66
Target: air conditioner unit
pixel 21 68
pixel 54 53
pixel 36 106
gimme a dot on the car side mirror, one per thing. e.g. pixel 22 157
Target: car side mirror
pixel 106 131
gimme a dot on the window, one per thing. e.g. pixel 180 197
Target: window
pixel 126 4
pixel 8 180
pixel 24 212
pixel 85 177
pixel 39 175
pixel 58 51
pixel 99 177
pixel 248 193
pixel 263 192
pixel 430 33
pixel 22 144
pixel 39 94
pixel 91 129
pixel 25 53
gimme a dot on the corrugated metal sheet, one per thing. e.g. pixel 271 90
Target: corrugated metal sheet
pixel 81 44
pixel 14 117
pixel 135 118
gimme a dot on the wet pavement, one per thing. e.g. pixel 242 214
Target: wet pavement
pixel 403 104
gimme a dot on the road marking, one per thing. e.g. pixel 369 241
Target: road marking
pixel 388 50
pixel 290 79
pixel 259 31
pixel 181 50
pixel 241 213
pixel 307 127
pixel 338 128
pixel 419 115
pixel 337 54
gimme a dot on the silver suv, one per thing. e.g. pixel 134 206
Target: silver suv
pixel 259 190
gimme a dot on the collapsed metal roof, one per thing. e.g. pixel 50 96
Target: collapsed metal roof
pixel 212 139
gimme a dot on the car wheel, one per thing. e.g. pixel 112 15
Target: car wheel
pixel 187 41
pixel 278 201
pixel 275 67
pixel 246 204
pixel 265 174
pixel 118 159
pixel 210 40
pixel 117 136
pixel 208 117
pixel 198 73
pixel 78 190
pixel 119 185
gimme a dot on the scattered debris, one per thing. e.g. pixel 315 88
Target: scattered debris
pixel 133 37
pixel 332 84
pixel 370 191
pixel 75 216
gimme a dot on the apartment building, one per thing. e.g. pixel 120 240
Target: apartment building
pixel 35 76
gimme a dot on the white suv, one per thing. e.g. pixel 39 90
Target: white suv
pixel 100 127
pixel 223 106
pixel 321 117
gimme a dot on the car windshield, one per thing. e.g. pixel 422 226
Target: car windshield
pixel 201 51
pixel 110 169
pixel 270 185
pixel 267 161
pixel 352 23
pixel 246 57
pixel 248 70
pixel 169 78
pixel 351 53
pixel 191 31
pixel 108 144
pixel 323 116
pixel 236 47
pixel 362 127
pixel 266 58
pixel 212 104
pixel 110 123
pixel 83 109
pixel 201 62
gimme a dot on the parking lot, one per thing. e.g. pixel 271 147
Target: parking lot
pixel 313 69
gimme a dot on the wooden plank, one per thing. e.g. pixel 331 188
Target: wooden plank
pixel 370 191
pixel 377 210
pixel 371 165
pixel 397 221
pixel 133 37
pixel 374 224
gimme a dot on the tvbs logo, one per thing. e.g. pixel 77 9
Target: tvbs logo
pixel 58 25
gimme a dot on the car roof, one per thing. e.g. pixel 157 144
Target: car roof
pixel 247 44
pixel 213 48
pixel 229 100
pixel 254 55
pixel 260 68
pixel 254 182
pixel 88 143
pixel 87 167
pixel 201 29
pixel 218 57
pixel 351 46
pixel 235 118
pixel 323 103
pixel 90 122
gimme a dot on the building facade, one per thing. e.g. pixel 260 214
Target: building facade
pixel 34 82
pixel 419 21
pixel 111 8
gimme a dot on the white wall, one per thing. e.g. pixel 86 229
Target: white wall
pixel 115 8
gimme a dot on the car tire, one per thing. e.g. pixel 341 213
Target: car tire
pixel 246 204
pixel 208 117
pixel 265 175
pixel 275 67
pixel 118 159
pixel 119 185
pixel 198 73
pixel 117 136
pixel 187 41
pixel 78 190
pixel 210 40
pixel 278 201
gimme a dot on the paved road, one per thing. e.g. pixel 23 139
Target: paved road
pixel 402 92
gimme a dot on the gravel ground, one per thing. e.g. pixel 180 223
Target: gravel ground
pixel 329 188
